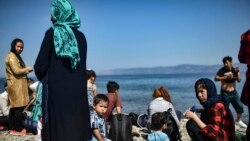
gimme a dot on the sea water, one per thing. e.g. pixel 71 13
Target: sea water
pixel 136 90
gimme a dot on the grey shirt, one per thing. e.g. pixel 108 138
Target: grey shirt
pixel 161 105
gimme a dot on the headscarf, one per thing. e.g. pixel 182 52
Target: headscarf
pixel 212 96
pixel 13 50
pixel 64 17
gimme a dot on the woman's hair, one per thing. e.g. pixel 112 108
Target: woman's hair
pixel 100 97
pixel 162 92
pixel 200 84
pixel 157 121
pixel 90 73
pixel 112 86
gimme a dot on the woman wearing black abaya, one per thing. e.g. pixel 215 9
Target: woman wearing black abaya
pixel 62 63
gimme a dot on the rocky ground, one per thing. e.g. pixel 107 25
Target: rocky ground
pixel 5 136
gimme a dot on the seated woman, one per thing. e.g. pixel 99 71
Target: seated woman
pixel 161 102
pixel 216 122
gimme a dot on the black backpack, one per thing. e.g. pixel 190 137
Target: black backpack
pixel 120 128
pixel 172 128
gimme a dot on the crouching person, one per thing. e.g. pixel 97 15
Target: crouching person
pixel 217 122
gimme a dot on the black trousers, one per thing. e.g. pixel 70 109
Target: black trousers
pixel 4 121
pixel 16 119
pixel 193 131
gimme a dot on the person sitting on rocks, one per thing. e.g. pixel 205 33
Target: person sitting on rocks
pixel 216 122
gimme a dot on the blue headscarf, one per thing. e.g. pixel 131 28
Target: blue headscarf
pixel 64 17
pixel 212 96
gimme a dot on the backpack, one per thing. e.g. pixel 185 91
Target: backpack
pixel 120 128
pixel 172 128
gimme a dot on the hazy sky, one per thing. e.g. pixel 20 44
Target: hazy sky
pixel 134 33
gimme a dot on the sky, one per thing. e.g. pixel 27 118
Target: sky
pixel 134 33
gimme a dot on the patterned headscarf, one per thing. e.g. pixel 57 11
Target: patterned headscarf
pixel 212 96
pixel 64 17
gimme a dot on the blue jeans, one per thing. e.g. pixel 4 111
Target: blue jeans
pixel 234 99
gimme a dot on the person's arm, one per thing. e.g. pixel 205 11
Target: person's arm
pixel 221 78
pixel 238 78
pixel 215 121
pixel 15 66
pixel 119 109
pixel 243 54
pixel 97 134
pixel 94 90
pixel 118 104
pixel 192 115
pixel 173 113
pixel 42 61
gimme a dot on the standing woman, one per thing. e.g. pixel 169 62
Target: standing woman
pixel 62 63
pixel 16 75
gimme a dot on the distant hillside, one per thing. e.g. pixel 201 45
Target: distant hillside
pixel 185 68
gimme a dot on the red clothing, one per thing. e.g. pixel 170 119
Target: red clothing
pixel 220 124
pixel 244 57
pixel 244 53
pixel 114 101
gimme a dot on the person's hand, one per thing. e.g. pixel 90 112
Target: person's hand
pixel 30 69
pixel 228 75
pixel 189 114
pixel 237 69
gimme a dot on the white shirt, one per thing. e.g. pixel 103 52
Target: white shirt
pixel 33 86
pixel 4 108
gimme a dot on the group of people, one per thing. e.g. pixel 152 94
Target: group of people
pixel 72 109
pixel 216 120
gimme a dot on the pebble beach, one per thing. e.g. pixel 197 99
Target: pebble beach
pixel 5 136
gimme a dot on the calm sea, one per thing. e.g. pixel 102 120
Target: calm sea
pixel 136 90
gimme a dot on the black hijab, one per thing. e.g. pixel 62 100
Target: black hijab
pixel 212 96
pixel 13 49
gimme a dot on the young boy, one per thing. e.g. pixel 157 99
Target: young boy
pixel 100 105
pixel 158 123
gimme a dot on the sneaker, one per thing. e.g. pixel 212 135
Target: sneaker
pixel 241 124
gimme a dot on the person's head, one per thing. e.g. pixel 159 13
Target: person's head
pixel 158 121
pixel 112 87
pixel 91 75
pixel 227 61
pixel 206 92
pixel 63 12
pixel 100 103
pixel 17 46
pixel 162 92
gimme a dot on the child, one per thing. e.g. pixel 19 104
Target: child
pixel 100 105
pixel 158 123
pixel 91 86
